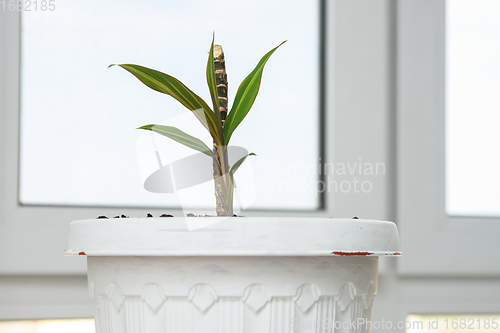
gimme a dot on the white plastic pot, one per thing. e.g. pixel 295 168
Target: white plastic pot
pixel 241 275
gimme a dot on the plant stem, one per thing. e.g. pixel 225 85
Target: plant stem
pixel 222 179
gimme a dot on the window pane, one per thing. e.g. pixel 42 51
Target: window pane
pixel 473 105
pixel 79 145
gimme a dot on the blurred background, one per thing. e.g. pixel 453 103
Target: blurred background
pixel 381 109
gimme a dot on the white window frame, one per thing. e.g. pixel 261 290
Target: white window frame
pixel 449 264
pixel 32 238
pixel 433 243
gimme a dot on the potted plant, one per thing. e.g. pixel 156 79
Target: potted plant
pixel 241 274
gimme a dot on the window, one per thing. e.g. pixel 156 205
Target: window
pixel 472 104
pixel 432 241
pixel 78 118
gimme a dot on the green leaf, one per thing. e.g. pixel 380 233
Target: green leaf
pixel 169 85
pixel 181 137
pixel 238 163
pixel 212 85
pixel 245 97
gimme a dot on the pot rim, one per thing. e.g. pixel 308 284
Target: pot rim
pixel 233 236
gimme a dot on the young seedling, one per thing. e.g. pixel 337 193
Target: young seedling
pixel 216 120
